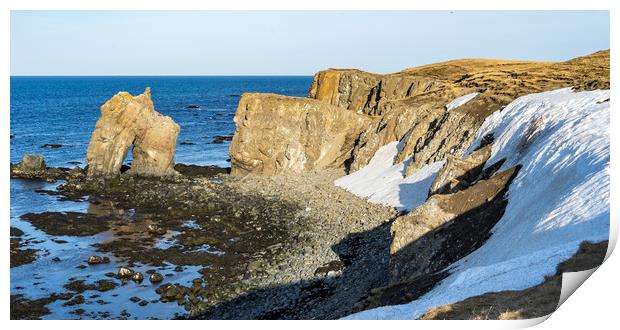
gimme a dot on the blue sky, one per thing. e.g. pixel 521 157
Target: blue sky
pixel 285 43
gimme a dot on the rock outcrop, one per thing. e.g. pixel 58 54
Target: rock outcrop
pixel 32 163
pixel 278 134
pixel 128 121
pixel 460 172
pixel 447 227
pixel 410 106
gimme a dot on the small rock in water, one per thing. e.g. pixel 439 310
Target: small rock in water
pixel 187 143
pixel 143 303
pixel 32 163
pixel 135 299
pixel 137 277
pixel 55 259
pixel 125 272
pixel 156 278
pixel 156 230
pixel 218 139
pixel 193 106
pixel 51 145
pixel 94 260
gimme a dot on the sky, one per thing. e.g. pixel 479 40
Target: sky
pixel 289 43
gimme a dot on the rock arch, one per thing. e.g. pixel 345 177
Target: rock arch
pixel 128 121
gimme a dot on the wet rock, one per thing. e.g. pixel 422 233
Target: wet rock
pixel 156 230
pixel 143 303
pixel 219 139
pixel 187 143
pixel 56 259
pixel 197 170
pixel 128 120
pixel 125 272
pixel 135 299
pixel 32 163
pixel 68 223
pixel 51 145
pixel 156 278
pixel 280 134
pixel 137 277
pixel 193 106
pixel 94 260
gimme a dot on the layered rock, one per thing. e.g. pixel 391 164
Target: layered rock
pixel 128 121
pixel 410 106
pixel 460 172
pixel 32 163
pixel 447 227
pixel 278 134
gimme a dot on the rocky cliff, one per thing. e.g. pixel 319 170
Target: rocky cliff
pixel 411 106
pixel 278 134
pixel 128 121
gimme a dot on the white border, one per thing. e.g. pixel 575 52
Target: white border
pixel 592 306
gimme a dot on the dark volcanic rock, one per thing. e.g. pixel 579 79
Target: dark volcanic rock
pixel 68 223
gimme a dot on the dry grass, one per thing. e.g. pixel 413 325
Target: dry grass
pixel 529 303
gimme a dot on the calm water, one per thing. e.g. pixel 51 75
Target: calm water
pixel 63 110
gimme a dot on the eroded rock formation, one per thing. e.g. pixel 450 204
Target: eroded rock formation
pixel 410 106
pixel 447 227
pixel 128 121
pixel 460 172
pixel 279 134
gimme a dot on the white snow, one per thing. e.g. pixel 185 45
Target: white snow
pixel 559 198
pixel 457 102
pixel 383 183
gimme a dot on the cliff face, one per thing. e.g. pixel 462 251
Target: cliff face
pixel 278 134
pixel 128 120
pixel 411 106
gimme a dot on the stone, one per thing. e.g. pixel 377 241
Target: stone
pixel 280 134
pixel 32 163
pixel 460 172
pixel 128 121
pixel 447 227
pixel 94 260
pixel 156 278
pixel 137 277
pixel 125 272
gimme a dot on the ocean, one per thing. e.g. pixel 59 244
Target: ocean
pixel 64 110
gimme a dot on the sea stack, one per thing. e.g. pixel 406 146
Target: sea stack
pixel 128 120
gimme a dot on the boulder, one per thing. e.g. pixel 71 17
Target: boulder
pixel 32 163
pixel 128 121
pixel 458 173
pixel 447 227
pixel 280 134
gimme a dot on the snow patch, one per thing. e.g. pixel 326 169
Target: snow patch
pixel 559 198
pixel 457 102
pixel 382 182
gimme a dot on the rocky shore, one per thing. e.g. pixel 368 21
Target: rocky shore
pixel 273 237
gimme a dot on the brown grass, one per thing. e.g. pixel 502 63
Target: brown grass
pixel 534 302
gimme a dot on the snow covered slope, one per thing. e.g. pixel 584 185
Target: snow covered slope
pixel 559 198
pixel 457 102
pixel 384 183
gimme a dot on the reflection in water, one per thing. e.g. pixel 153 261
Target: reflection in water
pixel 62 259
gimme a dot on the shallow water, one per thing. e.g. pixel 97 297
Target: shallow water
pixel 64 111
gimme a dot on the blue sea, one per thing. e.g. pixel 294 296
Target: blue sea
pixel 64 110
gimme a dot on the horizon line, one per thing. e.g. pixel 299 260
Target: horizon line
pixel 162 75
